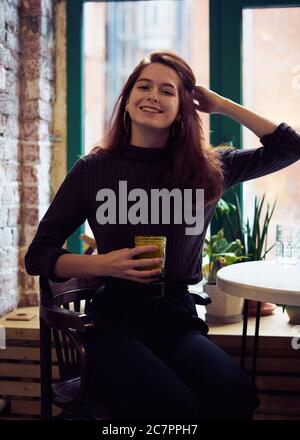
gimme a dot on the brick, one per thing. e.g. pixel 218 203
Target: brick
pixel 27 234
pixel 12 125
pixel 31 299
pixel 27 282
pixel 34 109
pixel 30 152
pixel 47 69
pixel 45 110
pixel 47 8
pixel 6 280
pixel 2 20
pixel 3 53
pixel 8 288
pixel 8 296
pixel 29 131
pixel 30 68
pixel 3 124
pixel 12 83
pixel 30 174
pixel 13 42
pixel 8 258
pixel 11 16
pixel 7 237
pixel 30 195
pixel 8 149
pixel 30 47
pixel 8 103
pixel 2 78
pixel 10 171
pixel 30 26
pixel 10 60
pixel 29 110
pixel 3 216
pixel 13 216
pixel 15 236
pixel 47 92
pixel 30 216
pixel 44 130
pixel 31 7
pixel 10 194
pixel 31 89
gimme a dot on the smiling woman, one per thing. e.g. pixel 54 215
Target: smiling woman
pixel 155 141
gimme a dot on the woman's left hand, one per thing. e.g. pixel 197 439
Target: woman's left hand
pixel 207 101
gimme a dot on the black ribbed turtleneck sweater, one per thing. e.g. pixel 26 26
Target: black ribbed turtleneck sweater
pixel 144 168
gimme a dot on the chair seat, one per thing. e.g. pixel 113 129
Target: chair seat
pixel 66 391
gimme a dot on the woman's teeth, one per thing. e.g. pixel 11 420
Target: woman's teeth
pixel 149 110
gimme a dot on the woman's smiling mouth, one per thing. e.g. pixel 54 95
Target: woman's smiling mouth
pixel 147 109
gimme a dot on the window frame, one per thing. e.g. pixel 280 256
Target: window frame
pixel 225 50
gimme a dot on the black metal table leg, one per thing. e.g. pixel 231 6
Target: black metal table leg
pixel 255 346
pixel 244 337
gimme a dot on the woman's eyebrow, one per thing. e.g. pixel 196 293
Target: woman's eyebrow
pixel 162 84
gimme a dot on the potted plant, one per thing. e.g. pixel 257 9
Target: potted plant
pixel 218 252
pixel 254 238
pixel 293 313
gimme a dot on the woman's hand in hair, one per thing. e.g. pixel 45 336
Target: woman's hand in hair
pixel 207 101
pixel 121 264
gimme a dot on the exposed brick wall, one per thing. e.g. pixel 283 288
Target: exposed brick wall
pixel 9 155
pixel 26 99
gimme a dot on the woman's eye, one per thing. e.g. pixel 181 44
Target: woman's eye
pixel 167 92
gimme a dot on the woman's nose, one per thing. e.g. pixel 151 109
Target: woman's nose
pixel 153 94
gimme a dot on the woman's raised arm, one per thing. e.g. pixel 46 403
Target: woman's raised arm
pixel 210 102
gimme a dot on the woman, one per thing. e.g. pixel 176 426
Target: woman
pixel 149 355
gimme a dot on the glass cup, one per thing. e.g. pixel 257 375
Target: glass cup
pixel 287 244
pixel 153 240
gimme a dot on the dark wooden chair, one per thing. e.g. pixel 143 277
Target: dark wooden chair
pixel 63 316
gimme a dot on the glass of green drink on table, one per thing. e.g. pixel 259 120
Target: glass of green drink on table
pixel 155 240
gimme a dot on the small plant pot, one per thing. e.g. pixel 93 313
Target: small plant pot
pixel 224 308
pixel 293 314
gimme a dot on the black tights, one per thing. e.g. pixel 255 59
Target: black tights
pixel 167 375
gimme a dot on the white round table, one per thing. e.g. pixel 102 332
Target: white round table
pixel 265 281
pixel 262 281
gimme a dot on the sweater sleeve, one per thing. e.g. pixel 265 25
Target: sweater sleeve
pixel 280 149
pixel 68 210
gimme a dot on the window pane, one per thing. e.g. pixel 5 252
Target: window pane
pixel 117 35
pixel 271 87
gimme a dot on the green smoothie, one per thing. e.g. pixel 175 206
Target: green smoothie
pixel 155 240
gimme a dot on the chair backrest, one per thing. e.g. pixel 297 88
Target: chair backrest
pixel 74 295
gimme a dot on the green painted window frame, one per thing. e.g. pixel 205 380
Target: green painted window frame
pixel 225 78
pixel 226 71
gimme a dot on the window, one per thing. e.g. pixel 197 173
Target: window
pixel 271 87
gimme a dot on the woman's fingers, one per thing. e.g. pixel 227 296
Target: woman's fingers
pixel 144 276
pixel 146 262
pixel 141 249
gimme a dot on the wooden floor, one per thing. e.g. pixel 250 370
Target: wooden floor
pixel 279 392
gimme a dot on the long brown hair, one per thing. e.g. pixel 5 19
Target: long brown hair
pixel 192 164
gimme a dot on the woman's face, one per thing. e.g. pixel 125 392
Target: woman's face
pixel 154 99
